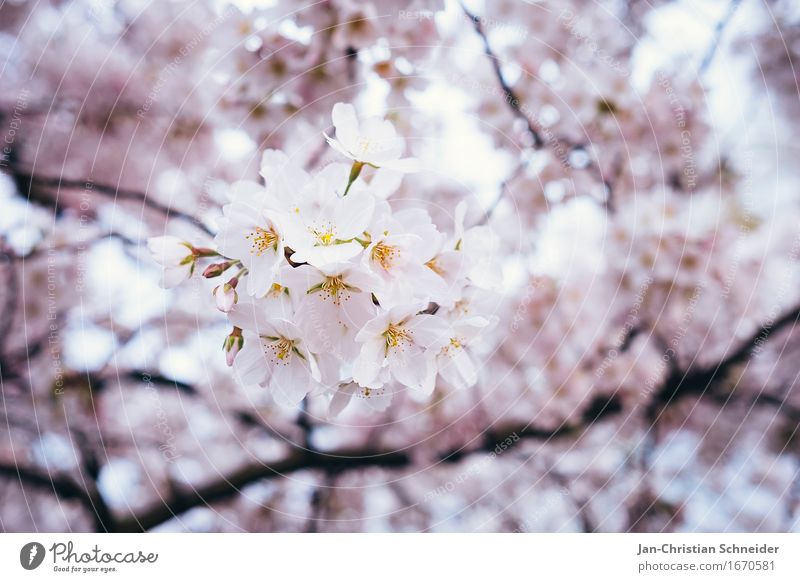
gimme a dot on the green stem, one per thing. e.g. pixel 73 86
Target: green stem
pixel 354 173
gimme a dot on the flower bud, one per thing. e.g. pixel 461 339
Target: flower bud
pixel 232 344
pixel 216 269
pixel 226 296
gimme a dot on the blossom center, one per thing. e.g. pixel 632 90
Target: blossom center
pixel 275 290
pixel 367 146
pixel 384 255
pixel 324 236
pixel 370 392
pixel 395 334
pixel 455 344
pixel 280 348
pixel 261 240
pixel 333 286
pixel 433 265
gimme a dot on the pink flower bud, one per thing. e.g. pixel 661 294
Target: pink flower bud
pixel 216 269
pixel 232 345
pixel 226 297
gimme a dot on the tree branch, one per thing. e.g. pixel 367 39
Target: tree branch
pixel 508 93
pixel 27 182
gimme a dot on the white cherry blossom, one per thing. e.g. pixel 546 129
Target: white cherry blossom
pixel 376 399
pixel 455 364
pixel 371 141
pixel 322 228
pixel 177 257
pixel 275 356
pixel 406 342
pixel 333 305
pixel 253 236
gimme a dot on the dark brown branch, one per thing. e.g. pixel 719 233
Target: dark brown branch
pixel 562 147
pixel 508 93
pixel 62 487
pixel 11 294
pixel 676 386
pixel 679 383
pixel 28 183
pixel 230 484
pixel 77 247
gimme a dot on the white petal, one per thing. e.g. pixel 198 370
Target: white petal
pixel 346 123
pixel 385 182
pixel 367 365
pixel 341 398
pixel 174 276
pixel 249 314
pixel 353 214
pixel 261 273
pixel 251 364
pixel 404 363
pixel 429 331
pixel 335 144
pixel 458 369
pixel 321 256
pixel 290 382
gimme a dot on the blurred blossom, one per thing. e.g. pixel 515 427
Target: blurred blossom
pixel 548 288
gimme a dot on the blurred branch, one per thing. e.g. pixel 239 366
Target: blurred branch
pixel 677 385
pixel 98 381
pixel 555 142
pixel 719 30
pixel 62 487
pixel 510 97
pixel 230 484
pixel 76 247
pixel 10 295
pixel 27 183
pixel 680 382
pixel 503 191
pixel 331 462
pixel 319 500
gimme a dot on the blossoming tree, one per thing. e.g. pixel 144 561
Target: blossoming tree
pixel 504 266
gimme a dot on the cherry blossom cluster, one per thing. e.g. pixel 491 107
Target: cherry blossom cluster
pixel 332 291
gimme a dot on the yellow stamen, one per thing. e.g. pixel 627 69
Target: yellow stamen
pixel 261 240
pixel 364 145
pixel 333 286
pixel 325 236
pixel 281 348
pixel 384 255
pixel 433 265
pixel 395 334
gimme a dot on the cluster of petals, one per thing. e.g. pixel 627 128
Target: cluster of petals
pixel 337 293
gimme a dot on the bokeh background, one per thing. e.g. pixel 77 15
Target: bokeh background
pixel 638 161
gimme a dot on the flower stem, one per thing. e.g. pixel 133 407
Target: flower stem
pixel 354 173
